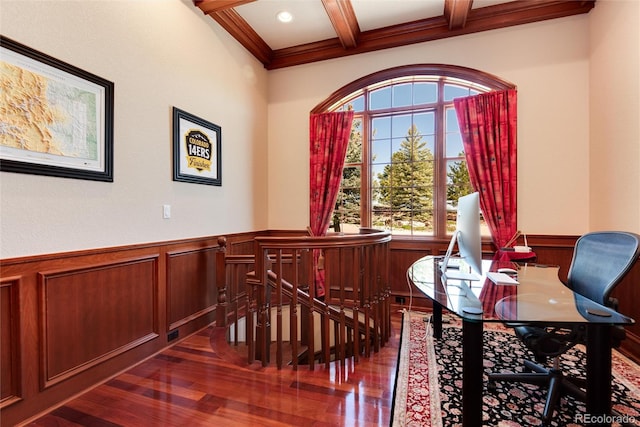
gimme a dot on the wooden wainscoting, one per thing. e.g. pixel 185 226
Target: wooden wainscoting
pixel 72 320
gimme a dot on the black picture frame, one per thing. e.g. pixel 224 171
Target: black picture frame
pixel 197 148
pixel 76 133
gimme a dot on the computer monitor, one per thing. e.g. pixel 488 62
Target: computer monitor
pixel 468 236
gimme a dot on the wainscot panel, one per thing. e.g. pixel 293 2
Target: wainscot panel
pixel 78 304
pixel 191 285
pixel 9 341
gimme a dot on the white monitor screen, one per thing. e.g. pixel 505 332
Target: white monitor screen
pixel 468 231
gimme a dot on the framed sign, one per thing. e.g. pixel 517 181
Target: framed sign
pixel 57 119
pixel 196 149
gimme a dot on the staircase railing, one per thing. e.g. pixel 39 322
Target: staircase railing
pixel 353 318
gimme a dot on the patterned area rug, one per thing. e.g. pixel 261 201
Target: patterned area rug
pixel 512 404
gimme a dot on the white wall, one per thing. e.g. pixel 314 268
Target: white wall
pixel 615 115
pixel 159 54
pixel 577 79
pixel 548 62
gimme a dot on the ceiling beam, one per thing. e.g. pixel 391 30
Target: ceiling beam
pixel 212 6
pixel 240 29
pixel 456 12
pixel 344 21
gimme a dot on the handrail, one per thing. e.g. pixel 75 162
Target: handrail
pixel 331 240
pixel 356 272
pixel 317 305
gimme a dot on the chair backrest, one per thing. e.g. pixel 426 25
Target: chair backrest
pixel 600 261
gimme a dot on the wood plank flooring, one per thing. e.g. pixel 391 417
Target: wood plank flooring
pixel 192 384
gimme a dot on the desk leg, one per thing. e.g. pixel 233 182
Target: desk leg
pixel 599 371
pixel 471 373
pixel 437 320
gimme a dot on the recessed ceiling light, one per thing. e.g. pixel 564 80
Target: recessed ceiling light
pixel 284 16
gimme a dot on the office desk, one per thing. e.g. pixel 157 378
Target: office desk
pixel 540 298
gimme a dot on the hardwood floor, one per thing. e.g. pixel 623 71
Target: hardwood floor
pixel 197 382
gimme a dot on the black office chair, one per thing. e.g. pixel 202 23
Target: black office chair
pixel 600 261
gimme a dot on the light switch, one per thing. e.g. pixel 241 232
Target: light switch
pixel 166 211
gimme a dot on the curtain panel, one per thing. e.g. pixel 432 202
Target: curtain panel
pixel 488 123
pixel 328 140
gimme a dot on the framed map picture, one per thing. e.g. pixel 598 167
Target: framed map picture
pixel 196 149
pixel 57 119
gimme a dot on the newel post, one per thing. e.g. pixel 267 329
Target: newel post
pixel 221 283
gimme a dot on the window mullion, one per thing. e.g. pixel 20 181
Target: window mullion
pixel 366 178
pixel 440 175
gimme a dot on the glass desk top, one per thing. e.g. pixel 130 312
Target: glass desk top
pixel 540 296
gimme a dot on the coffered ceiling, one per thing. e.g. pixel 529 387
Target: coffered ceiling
pixel 325 29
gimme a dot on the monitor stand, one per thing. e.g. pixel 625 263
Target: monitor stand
pixel 455 273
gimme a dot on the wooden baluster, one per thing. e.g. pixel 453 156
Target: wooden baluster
pixel 340 335
pixel 221 283
pixel 293 311
pixel 364 280
pixel 235 282
pixel 356 304
pixel 368 279
pixel 310 322
pixel 375 297
pixel 266 316
pixel 250 327
pixel 279 325
pixel 304 311
pixel 262 304
pixel 325 337
pixel 324 319
pixel 387 291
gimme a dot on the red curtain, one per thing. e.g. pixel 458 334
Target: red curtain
pixel 488 126
pixel 328 140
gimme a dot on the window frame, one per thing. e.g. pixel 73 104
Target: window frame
pixel 438 72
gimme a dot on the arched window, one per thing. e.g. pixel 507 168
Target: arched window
pixel 405 167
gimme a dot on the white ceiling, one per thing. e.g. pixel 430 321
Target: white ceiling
pixel 311 22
